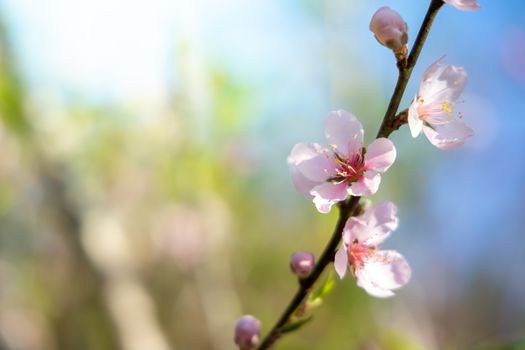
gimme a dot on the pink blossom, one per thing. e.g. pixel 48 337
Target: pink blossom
pixel 465 5
pixel 329 175
pixel 433 107
pixel 378 272
pixel 389 28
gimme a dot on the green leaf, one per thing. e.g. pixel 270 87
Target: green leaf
pixel 317 296
pixel 292 326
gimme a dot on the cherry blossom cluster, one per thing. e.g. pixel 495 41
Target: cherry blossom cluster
pixel 329 174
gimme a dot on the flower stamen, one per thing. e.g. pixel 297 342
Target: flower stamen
pixel 358 253
pixel 447 106
pixel 349 169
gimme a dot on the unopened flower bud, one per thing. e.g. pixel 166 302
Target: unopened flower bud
pixel 302 264
pixel 389 29
pixel 246 334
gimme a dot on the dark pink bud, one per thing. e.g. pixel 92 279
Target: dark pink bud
pixel 302 264
pixel 246 334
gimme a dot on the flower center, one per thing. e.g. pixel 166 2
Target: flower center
pixel 349 169
pixel 428 114
pixel 358 253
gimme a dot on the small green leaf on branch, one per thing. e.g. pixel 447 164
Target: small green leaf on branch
pixel 317 296
pixel 295 325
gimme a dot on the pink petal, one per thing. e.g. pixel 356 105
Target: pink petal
pixel 465 5
pixel 415 124
pixel 302 152
pixel 312 161
pixel 327 194
pixel 355 228
pixel 344 132
pixel 301 183
pixel 380 155
pixel 319 168
pixel 347 238
pixel 448 136
pixel 341 261
pixel 381 219
pixel 385 271
pixel 367 185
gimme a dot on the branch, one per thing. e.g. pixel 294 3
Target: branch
pixel 399 120
pixel 346 208
pixel 390 123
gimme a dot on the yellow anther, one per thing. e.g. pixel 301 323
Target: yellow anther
pixel 447 106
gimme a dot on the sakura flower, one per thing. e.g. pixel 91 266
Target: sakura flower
pixel 378 272
pixel 389 28
pixel 329 175
pixel 465 5
pixel 432 109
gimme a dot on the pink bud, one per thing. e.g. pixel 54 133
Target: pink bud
pixel 302 264
pixel 246 334
pixel 389 28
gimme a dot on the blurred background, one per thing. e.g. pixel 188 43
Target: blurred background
pixel 145 199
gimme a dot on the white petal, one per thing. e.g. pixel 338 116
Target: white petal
pixel 433 69
pixel 442 82
pixel 429 83
pixel 456 79
pixel 415 124
pixel 364 281
pixel 344 132
pixel 448 136
pixel 385 271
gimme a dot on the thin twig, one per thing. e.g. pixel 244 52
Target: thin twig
pixel 390 123
pixel 400 120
